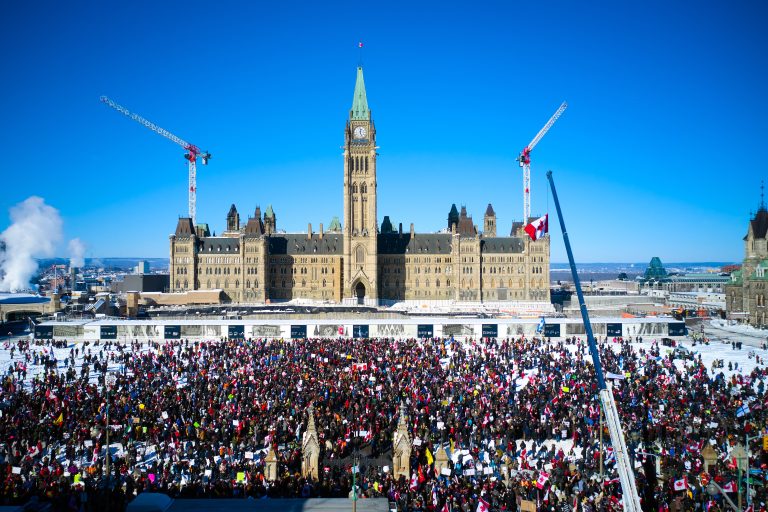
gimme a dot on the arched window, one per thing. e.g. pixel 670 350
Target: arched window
pixel 178 284
pixel 360 255
pixel 186 284
pixel 209 284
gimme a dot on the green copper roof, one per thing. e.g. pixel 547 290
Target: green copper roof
pixel 335 225
pixel 360 101
pixel 269 213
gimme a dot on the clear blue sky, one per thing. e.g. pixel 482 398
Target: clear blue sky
pixel 660 152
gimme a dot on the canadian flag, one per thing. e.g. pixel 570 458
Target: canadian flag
pixel 681 485
pixel 414 482
pixel 543 477
pixel 538 228
pixel 730 486
pixel 483 506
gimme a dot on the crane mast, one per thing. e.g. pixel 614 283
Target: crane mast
pixel 525 160
pixel 193 152
pixel 630 498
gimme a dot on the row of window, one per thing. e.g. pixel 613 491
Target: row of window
pixel 358 163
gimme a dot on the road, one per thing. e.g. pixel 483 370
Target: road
pixel 726 336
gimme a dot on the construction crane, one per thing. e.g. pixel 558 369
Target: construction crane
pixel 630 498
pixel 525 161
pixel 192 151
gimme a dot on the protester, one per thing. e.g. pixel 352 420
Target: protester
pixel 519 419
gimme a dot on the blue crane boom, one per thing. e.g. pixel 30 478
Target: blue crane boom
pixel 630 498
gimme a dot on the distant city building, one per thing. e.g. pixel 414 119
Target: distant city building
pixel 745 294
pixel 359 262
pixel 655 270
pixel 142 267
pixel 656 277
pixel 141 283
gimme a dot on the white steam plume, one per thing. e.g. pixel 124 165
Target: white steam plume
pixel 76 253
pixel 34 233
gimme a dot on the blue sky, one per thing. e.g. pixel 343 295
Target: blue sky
pixel 660 152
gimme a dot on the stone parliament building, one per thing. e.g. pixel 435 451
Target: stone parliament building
pixel 360 262
pixel 745 294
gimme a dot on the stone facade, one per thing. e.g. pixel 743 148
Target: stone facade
pixel 745 294
pixel 402 446
pixel 356 262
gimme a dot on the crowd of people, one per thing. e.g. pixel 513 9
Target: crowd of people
pixel 94 424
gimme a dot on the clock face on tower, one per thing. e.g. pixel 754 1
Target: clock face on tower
pixel 360 132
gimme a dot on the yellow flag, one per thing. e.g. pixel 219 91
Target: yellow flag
pixel 77 478
pixel 566 389
pixel 451 445
pixel 60 420
pixel 241 476
pixel 430 459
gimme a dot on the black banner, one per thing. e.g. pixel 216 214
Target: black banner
pixel 43 332
pixel 298 331
pixel 676 329
pixel 108 332
pixel 236 332
pixel 552 330
pixel 613 330
pixel 490 330
pixel 425 331
pixel 360 331
pixel 172 332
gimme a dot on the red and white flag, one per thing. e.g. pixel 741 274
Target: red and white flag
pixel 483 506
pixel 538 228
pixel 730 486
pixel 681 485
pixel 543 477
pixel 414 482
pixel 445 508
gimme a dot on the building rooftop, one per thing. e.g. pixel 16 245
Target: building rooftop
pixel 300 243
pixel 395 243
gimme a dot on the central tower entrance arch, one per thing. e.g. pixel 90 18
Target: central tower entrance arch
pixel 360 293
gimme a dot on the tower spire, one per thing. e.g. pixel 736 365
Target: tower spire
pixel 360 101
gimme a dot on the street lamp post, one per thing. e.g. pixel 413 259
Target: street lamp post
pixel 109 382
pixel 355 469
pixel 742 460
pixel 749 438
